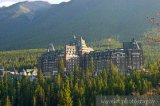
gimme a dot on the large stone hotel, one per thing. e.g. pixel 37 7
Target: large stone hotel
pixel 77 53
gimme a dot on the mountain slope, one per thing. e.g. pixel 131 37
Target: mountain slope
pixel 93 19
pixel 29 9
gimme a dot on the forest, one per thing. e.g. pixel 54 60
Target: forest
pixel 78 88
pixel 27 58
pixel 20 58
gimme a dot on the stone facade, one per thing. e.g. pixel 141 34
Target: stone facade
pixel 126 58
pixel 71 58
pixel 78 53
pixel 48 62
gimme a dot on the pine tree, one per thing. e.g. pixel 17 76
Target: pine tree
pixel 40 78
pixel 7 103
pixel 65 95
pixel 121 87
pixel 5 84
pixel 40 96
pixel 18 99
pixel 89 93
pixel 76 95
pixel 129 86
pixel 71 80
pixel 105 81
pixel 145 86
pixel 100 84
pixel 34 100
pixel 61 67
pixel 76 74
pixel 59 81
pixel 57 87
pixel 26 91
pixel 82 92
pixel 92 68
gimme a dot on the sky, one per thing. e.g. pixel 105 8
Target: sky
pixel 10 2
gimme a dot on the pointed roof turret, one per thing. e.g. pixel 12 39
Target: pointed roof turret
pixel 135 44
pixel 74 37
pixel 82 43
pixel 51 48
pixel 83 47
pixel 74 41
pixel 132 45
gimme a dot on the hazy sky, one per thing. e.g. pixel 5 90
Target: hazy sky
pixel 10 2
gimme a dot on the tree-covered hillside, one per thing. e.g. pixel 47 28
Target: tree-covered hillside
pixel 79 88
pixel 20 59
pixel 28 58
pixel 93 19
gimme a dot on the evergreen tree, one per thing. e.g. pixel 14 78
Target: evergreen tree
pixel 65 95
pixel 105 81
pixel 92 68
pixel 57 87
pixel 8 102
pixel 61 67
pixel 76 74
pixel 40 96
pixel 82 92
pixel 34 100
pixel 76 95
pixel 89 93
pixel 129 86
pixel 18 98
pixel 40 78
pixel 71 80
pixel 5 84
